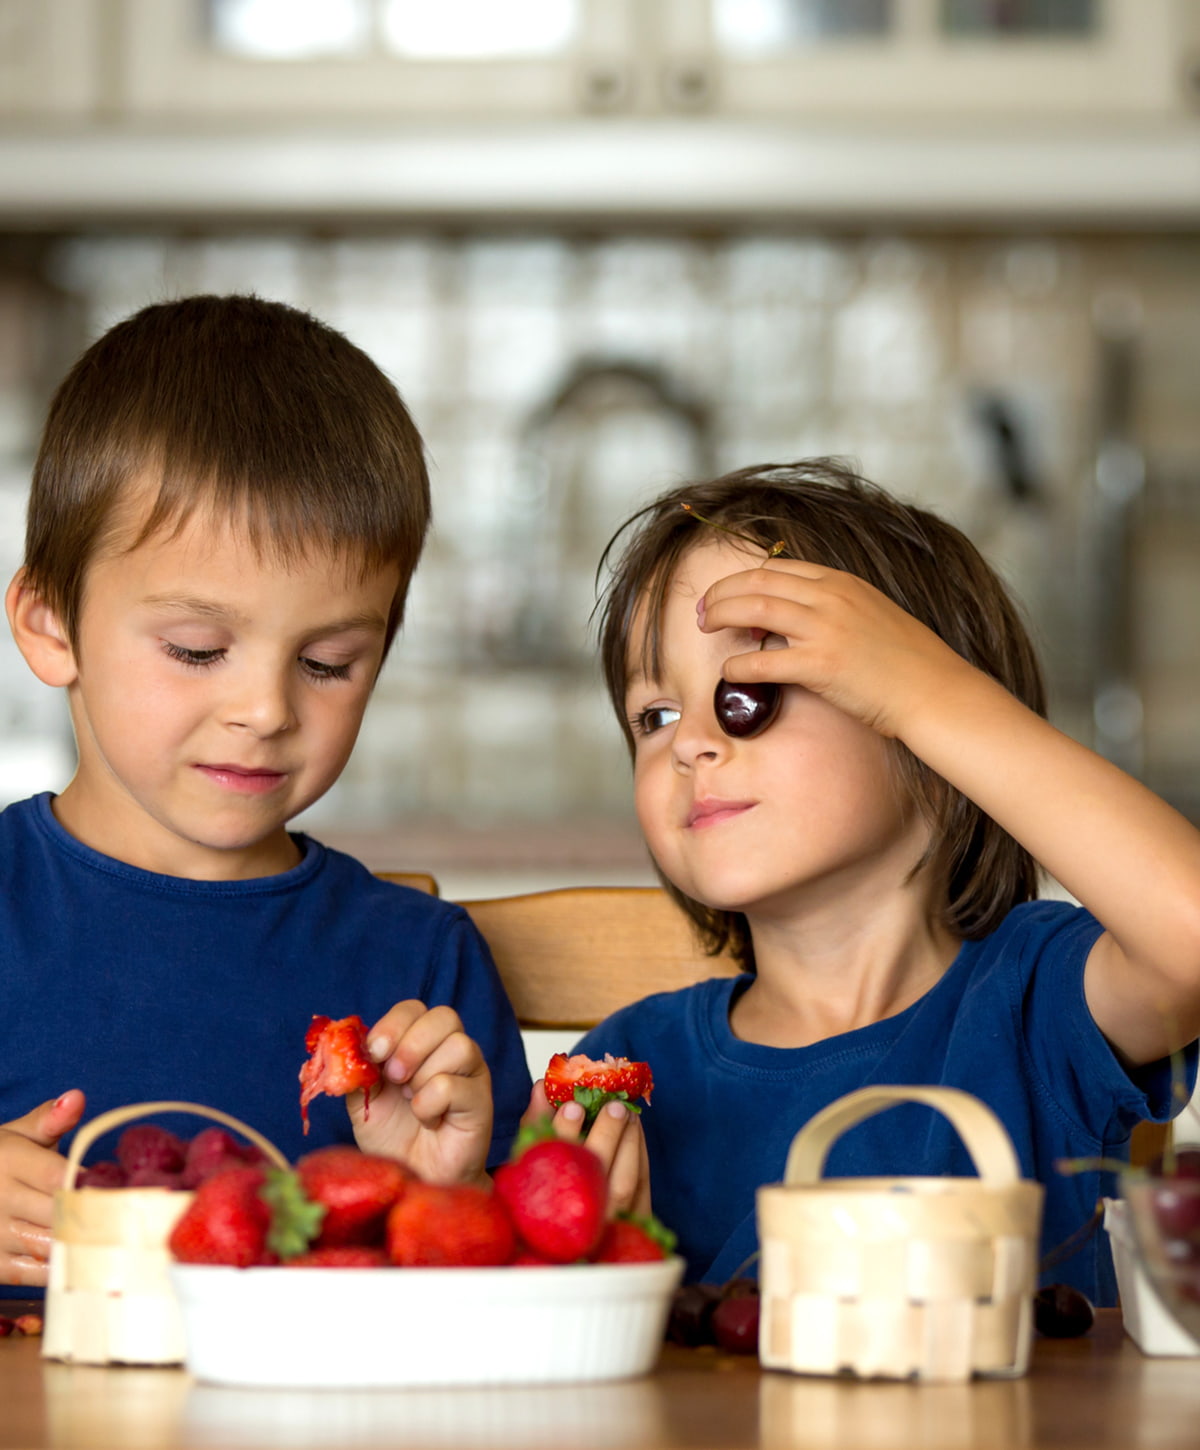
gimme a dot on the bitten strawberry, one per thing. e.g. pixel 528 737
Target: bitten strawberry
pixel 630 1240
pixel 245 1216
pixel 556 1194
pixel 593 1083
pixel 356 1190
pixel 453 1226
pixel 338 1062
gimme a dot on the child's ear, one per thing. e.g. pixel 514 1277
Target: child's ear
pixel 39 635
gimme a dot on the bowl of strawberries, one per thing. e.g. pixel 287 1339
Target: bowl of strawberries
pixel 348 1270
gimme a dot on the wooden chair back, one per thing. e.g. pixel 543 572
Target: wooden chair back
pixel 571 956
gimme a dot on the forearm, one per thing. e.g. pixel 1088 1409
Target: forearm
pixel 1131 859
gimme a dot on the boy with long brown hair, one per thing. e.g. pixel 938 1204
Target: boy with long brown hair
pixel 862 830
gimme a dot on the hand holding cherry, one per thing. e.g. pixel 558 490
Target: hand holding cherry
pixel 744 710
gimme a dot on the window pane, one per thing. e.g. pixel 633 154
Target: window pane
pixel 288 29
pixel 432 29
pixel 1019 17
pixel 753 27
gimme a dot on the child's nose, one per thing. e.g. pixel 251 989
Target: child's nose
pixel 262 704
pixel 697 738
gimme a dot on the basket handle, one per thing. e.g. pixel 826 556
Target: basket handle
pixel 982 1132
pixel 115 1117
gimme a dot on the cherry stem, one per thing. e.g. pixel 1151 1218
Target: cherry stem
pixel 773 552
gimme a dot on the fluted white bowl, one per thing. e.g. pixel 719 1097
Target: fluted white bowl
pixel 339 1328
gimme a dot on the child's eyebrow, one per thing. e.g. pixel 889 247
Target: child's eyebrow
pixel 369 619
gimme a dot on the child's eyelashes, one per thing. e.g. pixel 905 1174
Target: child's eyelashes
pixel 322 670
pixel 196 658
pixel 200 659
pixel 656 717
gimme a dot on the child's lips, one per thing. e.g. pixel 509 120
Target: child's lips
pixel 712 812
pixel 245 780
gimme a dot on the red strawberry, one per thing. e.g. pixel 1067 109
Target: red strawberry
pixel 629 1240
pixel 459 1225
pixel 226 1223
pixel 556 1193
pixel 244 1216
pixel 595 1083
pixel 146 1145
pixel 341 1256
pixel 356 1189
pixel 338 1062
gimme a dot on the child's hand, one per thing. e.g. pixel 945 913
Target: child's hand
pixel 844 639
pixel 617 1139
pixel 30 1172
pixel 433 1107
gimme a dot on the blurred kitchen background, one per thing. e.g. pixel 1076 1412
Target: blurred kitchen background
pixel 602 245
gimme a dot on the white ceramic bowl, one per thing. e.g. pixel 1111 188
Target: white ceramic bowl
pixel 339 1328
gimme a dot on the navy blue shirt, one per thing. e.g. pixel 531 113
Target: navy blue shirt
pixel 1007 1022
pixel 135 986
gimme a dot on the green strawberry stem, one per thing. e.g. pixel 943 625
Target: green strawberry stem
pixel 592 1099
pixel 295 1219
pixel 655 1229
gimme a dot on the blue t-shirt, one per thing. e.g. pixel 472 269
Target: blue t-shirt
pixel 1007 1022
pixel 135 986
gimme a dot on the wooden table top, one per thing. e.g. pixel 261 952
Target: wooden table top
pixel 1097 1392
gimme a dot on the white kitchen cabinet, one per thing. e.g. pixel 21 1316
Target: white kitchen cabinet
pixel 175 64
pixel 870 61
pixel 50 59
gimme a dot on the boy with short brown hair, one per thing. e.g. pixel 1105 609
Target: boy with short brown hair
pixel 227 508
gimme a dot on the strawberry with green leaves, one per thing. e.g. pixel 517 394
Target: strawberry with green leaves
pixel 246 1216
pixel 634 1239
pixel 556 1193
pixel 593 1083
pixel 338 1062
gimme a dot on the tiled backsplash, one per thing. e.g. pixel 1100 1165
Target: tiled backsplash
pixel 562 379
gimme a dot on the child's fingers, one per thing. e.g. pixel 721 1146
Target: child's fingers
pixel 539 1104
pixel 22 1271
pixel 46 1124
pixel 391 1027
pixel 415 1032
pixel 450 1096
pixel 455 1056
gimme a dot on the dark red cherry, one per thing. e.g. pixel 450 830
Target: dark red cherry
pixel 1061 1312
pixel 745 710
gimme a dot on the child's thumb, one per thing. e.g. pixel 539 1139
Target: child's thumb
pixel 47 1123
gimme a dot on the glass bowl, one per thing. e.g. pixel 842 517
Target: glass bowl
pixel 1165 1216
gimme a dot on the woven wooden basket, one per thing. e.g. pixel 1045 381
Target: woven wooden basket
pixel 929 1277
pixel 109 1298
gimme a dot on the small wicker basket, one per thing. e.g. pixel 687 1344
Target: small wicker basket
pixel 109 1298
pixel 930 1278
